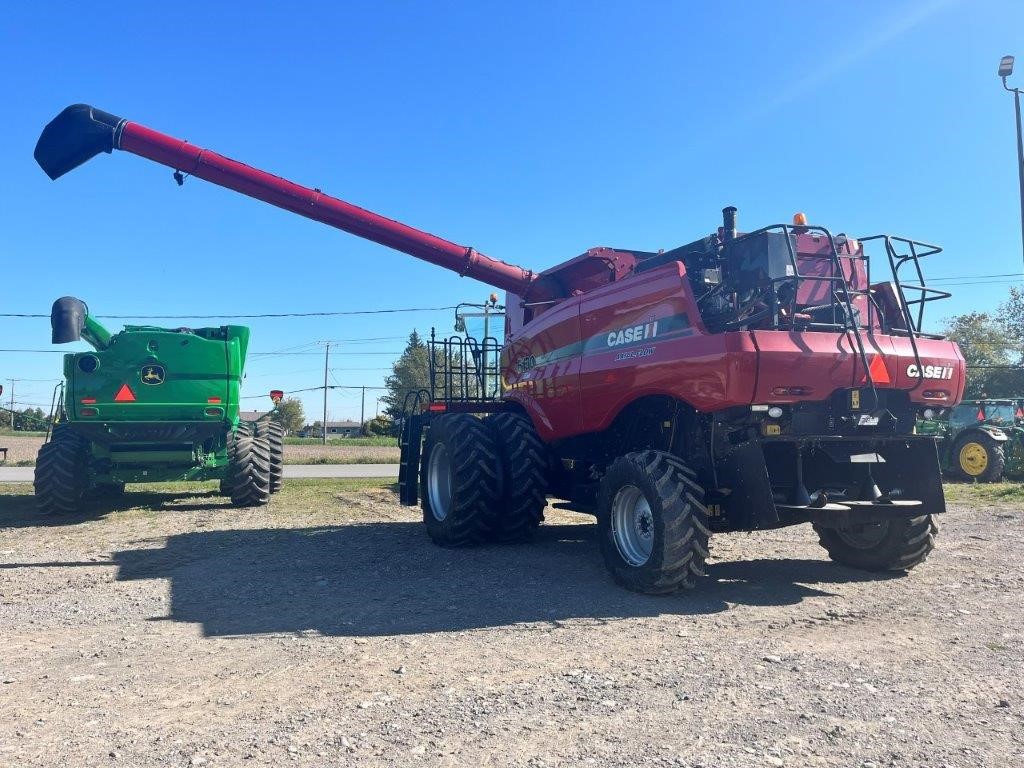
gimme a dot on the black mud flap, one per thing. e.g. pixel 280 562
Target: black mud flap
pixel 409 466
pixel 748 503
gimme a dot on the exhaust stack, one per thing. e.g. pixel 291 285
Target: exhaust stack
pixel 81 132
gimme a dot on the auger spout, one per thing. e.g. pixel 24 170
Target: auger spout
pixel 81 132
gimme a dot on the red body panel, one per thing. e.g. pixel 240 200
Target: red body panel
pixel 573 372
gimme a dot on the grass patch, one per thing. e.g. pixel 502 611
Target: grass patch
pixel 378 442
pixel 968 492
pixel 341 460
pixel 19 433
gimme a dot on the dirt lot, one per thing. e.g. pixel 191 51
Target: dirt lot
pixel 327 630
pixel 24 449
pixel 20 449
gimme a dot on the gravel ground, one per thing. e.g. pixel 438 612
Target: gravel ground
pixel 327 630
pixel 25 448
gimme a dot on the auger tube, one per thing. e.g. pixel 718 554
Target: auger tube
pixel 81 132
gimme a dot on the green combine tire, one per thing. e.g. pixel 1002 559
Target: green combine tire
pixel 60 477
pixel 274 434
pixel 249 468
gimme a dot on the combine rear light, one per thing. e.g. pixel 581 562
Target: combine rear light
pixel 87 412
pixel 436 407
pixel 775 412
pixel 799 219
pixel 213 399
pixel 791 391
pixel 215 412
pixel 88 400
pixel 936 394
pixel 928 413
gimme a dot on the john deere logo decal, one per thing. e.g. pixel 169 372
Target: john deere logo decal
pixel 153 374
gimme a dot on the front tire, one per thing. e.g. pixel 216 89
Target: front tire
pixel 274 433
pixel 61 474
pixel 524 466
pixel 249 470
pixel 652 523
pixel 892 545
pixel 459 480
pixel 979 458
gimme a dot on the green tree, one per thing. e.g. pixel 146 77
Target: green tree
pixel 379 426
pixel 992 350
pixel 409 373
pixel 290 415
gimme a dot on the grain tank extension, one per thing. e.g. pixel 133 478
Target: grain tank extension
pixel 741 381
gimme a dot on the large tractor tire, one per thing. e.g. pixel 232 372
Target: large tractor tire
pixel 274 434
pixel 893 545
pixel 524 463
pixel 460 481
pixel 249 470
pixel 979 458
pixel 652 523
pixel 61 476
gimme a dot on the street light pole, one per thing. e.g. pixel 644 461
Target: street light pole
pixel 1005 70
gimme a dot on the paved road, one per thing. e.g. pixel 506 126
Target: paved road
pixel 24 474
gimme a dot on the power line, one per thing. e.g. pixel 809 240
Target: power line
pixel 252 316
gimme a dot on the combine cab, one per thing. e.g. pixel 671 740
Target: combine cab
pixel 741 381
pixel 153 405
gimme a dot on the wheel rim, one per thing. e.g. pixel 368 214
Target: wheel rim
pixel 867 536
pixel 439 482
pixel 973 458
pixel 632 525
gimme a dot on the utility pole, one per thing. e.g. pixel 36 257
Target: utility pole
pixel 327 355
pixel 1005 70
pixel 362 410
pixel 12 401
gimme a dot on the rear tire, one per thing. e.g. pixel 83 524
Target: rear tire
pixel 979 458
pixel 893 545
pixel 652 523
pixel 249 471
pixel 459 480
pixel 274 433
pixel 61 476
pixel 524 466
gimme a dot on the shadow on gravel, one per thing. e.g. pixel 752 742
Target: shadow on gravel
pixel 20 511
pixel 387 578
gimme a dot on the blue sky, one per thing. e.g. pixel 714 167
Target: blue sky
pixel 531 131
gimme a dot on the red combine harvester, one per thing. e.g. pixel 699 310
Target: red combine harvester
pixel 742 381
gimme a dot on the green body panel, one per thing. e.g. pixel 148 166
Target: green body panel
pixel 1003 422
pixel 185 389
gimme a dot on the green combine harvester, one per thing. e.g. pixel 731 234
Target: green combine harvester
pixel 153 405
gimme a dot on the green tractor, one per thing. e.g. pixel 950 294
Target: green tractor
pixel 982 440
pixel 153 405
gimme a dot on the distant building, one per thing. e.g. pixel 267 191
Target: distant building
pixel 334 429
pixel 252 415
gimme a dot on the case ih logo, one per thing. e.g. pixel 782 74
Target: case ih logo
pixel 633 334
pixel 930 372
